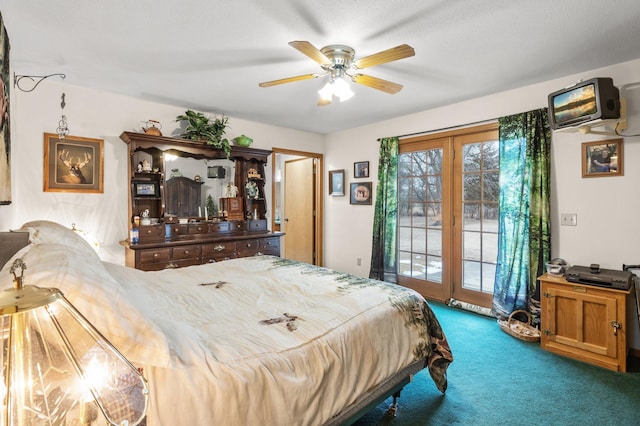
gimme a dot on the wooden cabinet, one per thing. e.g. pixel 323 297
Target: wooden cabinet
pixel 183 196
pixel 584 322
pixel 168 244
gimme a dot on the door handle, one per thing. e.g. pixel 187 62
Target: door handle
pixel 286 219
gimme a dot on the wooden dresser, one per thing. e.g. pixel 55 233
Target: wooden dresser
pixel 173 199
pixel 198 243
pixel 584 322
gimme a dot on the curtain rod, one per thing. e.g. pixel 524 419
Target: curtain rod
pixel 426 132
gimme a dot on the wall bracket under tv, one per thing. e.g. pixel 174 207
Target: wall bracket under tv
pixel 587 104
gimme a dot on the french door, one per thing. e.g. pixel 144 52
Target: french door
pixel 448 214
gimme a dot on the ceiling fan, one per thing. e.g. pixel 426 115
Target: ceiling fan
pixel 338 61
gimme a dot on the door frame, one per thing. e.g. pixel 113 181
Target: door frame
pixel 318 216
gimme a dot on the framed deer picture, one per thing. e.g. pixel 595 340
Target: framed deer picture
pixel 73 164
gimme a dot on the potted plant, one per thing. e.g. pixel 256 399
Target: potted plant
pixel 202 128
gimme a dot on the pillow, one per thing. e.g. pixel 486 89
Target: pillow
pixel 47 232
pixel 85 282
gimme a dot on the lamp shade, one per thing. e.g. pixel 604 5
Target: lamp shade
pixel 57 368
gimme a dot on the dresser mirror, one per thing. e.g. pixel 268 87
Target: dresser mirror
pixel 210 176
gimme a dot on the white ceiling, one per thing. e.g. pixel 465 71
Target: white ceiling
pixel 210 55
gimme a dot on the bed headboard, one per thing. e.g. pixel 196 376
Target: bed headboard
pixel 10 243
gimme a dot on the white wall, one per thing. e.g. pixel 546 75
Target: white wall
pixel 102 115
pixel 608 231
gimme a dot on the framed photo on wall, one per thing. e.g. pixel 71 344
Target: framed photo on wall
pixel 336 183
pixel 360 193
pixel 361 169
pixel 603 158
pixel 74 164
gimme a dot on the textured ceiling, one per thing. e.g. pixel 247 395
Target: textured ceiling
pixel 210 55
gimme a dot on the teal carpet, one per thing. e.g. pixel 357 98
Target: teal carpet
pixel 489 386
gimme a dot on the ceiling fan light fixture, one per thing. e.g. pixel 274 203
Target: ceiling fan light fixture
pixel 342 89
pixel 326 93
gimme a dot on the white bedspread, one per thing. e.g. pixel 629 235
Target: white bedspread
pixel 251 341
pixel 328 338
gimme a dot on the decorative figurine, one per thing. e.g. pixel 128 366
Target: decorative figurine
pixel 252 189
pixel 230 191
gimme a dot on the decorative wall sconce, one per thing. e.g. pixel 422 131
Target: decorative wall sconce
pixel 63 127
pixel 57 368
pixel 35 80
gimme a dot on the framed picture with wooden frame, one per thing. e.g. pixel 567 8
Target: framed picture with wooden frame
pixel 336 183
pixel 73 164
pixel 360 193
pixel 603 158
pixel 361 169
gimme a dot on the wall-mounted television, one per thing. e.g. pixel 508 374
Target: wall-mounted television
pixel 594 99
pixel 146 189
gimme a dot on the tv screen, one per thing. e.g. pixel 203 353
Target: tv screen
pixel 589 100
pixel 146 189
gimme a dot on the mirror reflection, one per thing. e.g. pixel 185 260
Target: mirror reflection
pixel 189 182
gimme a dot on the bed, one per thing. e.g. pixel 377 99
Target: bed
pixel 260 340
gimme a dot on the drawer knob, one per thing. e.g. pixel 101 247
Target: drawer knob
pixel 186 252
pixel 155 255
pixel 148 231
pixel 219 247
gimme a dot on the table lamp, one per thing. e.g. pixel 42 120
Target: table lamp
pixel 57 368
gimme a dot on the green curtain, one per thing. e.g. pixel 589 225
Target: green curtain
pixel 524 235
pixel 383 251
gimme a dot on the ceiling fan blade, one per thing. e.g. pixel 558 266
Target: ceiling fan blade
pixel 311 51
pixel 377 83
pixel 393 54
pixel 288 80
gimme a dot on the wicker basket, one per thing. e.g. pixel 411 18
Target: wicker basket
pixel 519 329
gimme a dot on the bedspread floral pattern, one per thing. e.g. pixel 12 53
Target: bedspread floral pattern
pixel 432 345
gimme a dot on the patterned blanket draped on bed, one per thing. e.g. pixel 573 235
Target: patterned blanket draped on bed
pixel 260 340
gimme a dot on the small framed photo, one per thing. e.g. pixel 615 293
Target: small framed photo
pixel 361 169
pixel 336 183
pixel 73 164
pixel 602 158
pixel 361 193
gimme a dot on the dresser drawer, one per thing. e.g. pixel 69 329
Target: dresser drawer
pixel 256 225
pixel 178 229
pixel 161 255
pixel 198 228
pixel 219 227
pixel 217 252
pixel 270 246
pixel 237 226
pixel 186 252
pixel 150 233
pixel 248 247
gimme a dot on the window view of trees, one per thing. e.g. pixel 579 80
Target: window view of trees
pixel 420 214
pixel 480 215
pixel 420 198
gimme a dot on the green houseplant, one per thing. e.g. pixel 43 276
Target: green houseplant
pixel 209 130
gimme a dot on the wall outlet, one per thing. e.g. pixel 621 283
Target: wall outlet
pixel 568 219
pixel 359 261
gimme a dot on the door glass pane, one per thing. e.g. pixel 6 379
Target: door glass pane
pixel 471 247
pixel 480 215
pixel 434 242
pixel 419 237
pixel 434 269
pixel 420 219
pixel 404 238
pixel 471 188
pixel 418 266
